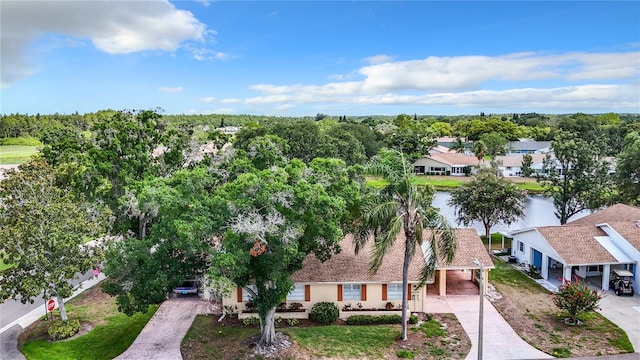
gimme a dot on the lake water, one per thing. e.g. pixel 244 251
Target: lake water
pixel 538 211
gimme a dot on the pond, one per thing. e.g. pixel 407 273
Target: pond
pixel 538 211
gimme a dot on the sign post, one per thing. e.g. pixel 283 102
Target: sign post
pixel 50 305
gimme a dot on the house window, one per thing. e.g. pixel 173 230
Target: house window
pixel 351 292
pixel 521 246
pixel 394 291
pixel 437 169
pixel 247 293
pixel 508 167
pixel 297 293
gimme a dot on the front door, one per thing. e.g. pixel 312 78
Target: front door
pixel 537 259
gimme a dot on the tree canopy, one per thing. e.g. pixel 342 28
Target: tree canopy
pixel 488 198
pixel 628 170
pixel 577 178
pixel 43 231
pixel 277 216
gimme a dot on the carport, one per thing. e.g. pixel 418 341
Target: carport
pixel 461 276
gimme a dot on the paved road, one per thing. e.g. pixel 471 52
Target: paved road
pixel 12 310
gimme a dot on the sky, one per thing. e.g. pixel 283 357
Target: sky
pixel 301 58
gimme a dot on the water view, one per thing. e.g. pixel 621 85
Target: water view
pixel 539 211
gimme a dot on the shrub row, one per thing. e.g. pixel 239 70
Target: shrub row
pixel 374 320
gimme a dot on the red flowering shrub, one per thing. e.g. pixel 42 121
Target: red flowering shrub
pixel 576 298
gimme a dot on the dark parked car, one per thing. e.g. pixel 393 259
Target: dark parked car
pixel 621 282
pixel 187 287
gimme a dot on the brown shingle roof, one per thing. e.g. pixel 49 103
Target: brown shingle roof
pixel 470 247
pixel 630 230
pixel 576 244
pixel 615 212
pixel 349 267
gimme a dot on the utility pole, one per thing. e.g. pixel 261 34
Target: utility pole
pixel 480 320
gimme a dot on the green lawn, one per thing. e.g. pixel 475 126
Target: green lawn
pixel 369 342
pixel 448 183
pixel 16 154
pixel 442 337
pixel 506 274
pixel 112 334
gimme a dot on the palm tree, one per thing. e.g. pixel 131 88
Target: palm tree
pixel 480 149
pixel 401 206
pixel 458 145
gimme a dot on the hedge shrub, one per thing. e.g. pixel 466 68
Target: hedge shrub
pixel 324 313
pixel 61 330
pixel 374 320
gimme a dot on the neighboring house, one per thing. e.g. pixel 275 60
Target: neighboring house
pixel 345 280
pixel 511 165
pixel 445 164
pixel 229 130
pixel 439 149
pixel 589 248
pixel 527 146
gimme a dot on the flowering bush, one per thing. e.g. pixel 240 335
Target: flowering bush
pixel 576 298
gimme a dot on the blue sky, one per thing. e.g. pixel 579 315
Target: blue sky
pixel 299 58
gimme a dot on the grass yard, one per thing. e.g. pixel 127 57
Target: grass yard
pixel 530 311
pixel 16 154
pixel 446 183
pixel 105 332
pixel 439 338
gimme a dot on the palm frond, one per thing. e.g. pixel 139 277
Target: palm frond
pixel 429 268
pixel 384 242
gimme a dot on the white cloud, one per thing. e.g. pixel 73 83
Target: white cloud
pixel 532 81
pixel 171 90
pixel 230 101
pixel 202 53
pixel 208 99
pixel 114 27
pixel 378 59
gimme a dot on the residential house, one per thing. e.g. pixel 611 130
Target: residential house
pixel 445 164
pixel 512 165
pixel 528 146
pixel 589 248
pixel 345 280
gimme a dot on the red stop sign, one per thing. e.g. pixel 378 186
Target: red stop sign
pixel 51 304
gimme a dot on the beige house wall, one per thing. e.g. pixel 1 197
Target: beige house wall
pixel 428 162
pixel 320 292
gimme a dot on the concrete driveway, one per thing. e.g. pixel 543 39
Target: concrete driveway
pixel 161 337
pixel 624 311
pixel 500 341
